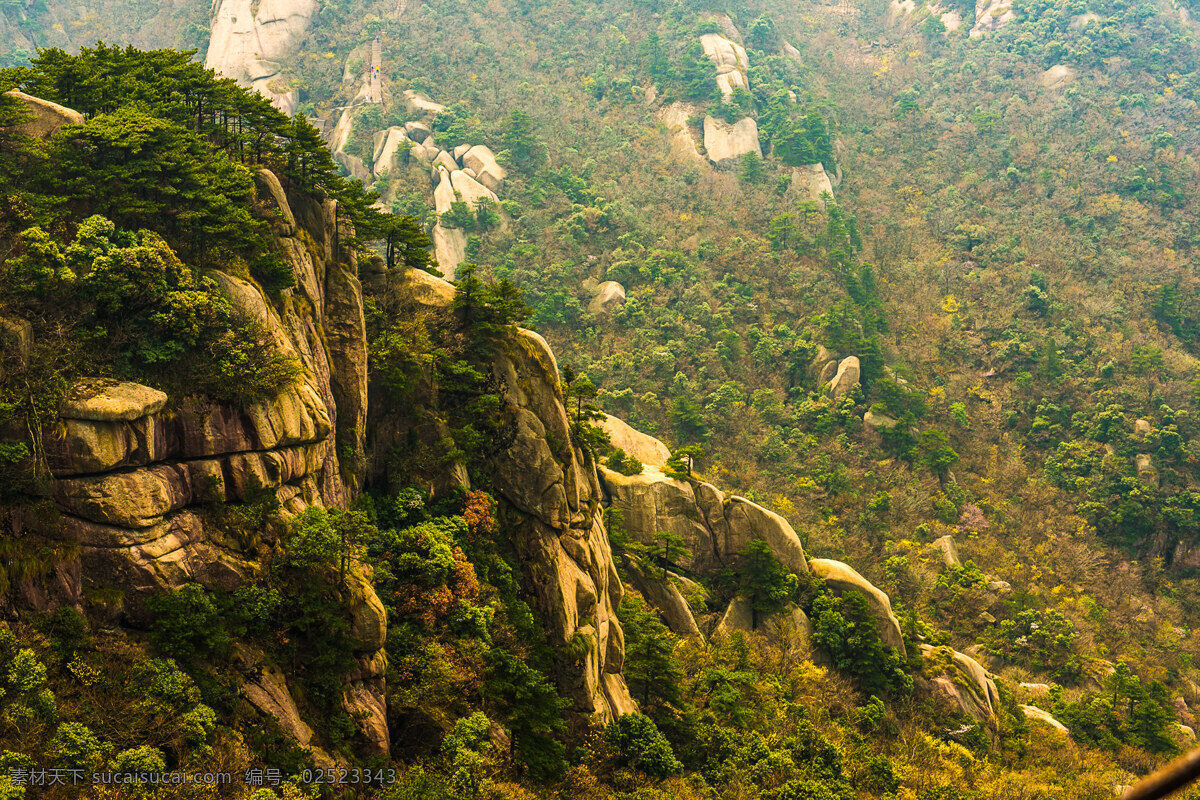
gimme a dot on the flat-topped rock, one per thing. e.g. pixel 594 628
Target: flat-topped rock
pixel 111 401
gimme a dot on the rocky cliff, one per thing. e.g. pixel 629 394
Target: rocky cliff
pixel 250 39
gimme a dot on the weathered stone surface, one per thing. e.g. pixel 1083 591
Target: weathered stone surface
pixel 723 52
pixel 948 550
pixel 418 131
pixel 810 182
pixel 482 161
pixel 111 401
pixel 651 502
pixel 368 627
pixel 609 297
pixel 425 290
pixel 965 684
pixel 444 159
pixel 643 447
pixel 827 372
pixel 842 578
pixel 443 190
pixel 990 16
pixel 846 377
pixel 1146 472
pixel 739 616
pixel 878 421
pixel 1142 428
pixel 45 118
pixel 270 191
pixel 393 142
pixel 749 521
pixel 723 141
pixel 250 39
pixel 469 190
pixel 675 118
pixel 1035 714
pixel 267 691
pixel 449 249
pixel 665 597
pixel 16 341
pixel 418 103
pixel 1057 76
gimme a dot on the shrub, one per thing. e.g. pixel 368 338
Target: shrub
pixel 619 461
pixel 640 744
pixel 186 624
pixel 74 746
pixel 144 759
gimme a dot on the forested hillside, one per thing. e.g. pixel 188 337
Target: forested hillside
pixel 905 292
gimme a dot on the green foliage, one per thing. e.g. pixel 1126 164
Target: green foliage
pixel 639 744
pixel 1126 712
pixel 845 628
pixel 74 746
pixel 186 624
pixel 619 461
pixel 765 582
pixel 651 670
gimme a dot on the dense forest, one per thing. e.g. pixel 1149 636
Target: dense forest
pixel 1004 246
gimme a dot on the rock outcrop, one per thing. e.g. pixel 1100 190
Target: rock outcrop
pixel 991 16
pixel 730 60
pixel 963 684
pixel 251 38
pixel 723 141
pixel 643 447
pixel 45 118
pixel 610 296
pixel 675 117
pixel 1057 77
pixel 841 578
pixel 1035 714
pixel 846 377
pixel 811 182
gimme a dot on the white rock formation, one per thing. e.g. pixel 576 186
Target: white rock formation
pixel 443 191
pixel 419 103
pixel 811 181
pixel 609 298
pixel 251 37
pixel 991 15
pixel 449 248
pixel 846 377
pixel 642 446
pixel 483 161
pixel 418 131
pixel 389 144
pixel 1057 76
pixel 730 60
pixel 841 578
pixel 675 118
pixel 469 190
pixel 724 141
pixel 1038 715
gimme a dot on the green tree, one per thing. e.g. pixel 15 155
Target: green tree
pixel 765 582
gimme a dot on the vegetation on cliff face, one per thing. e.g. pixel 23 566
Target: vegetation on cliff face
pixel 1009 258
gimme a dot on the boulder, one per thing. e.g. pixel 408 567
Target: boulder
pixel 749 521
pixel 449 249
pixel 642 446
pixel 964 683
pixel 665 597
pixel 389 147
pixel 651 502
pixel 1057 76
pixel 267 691
pixel 1035 714
pixel 270 191
pixel 723 141
pixel 1187 733
pixel 723 52
pixel 609 297
pixel 739 616
pixel 444 159
pixel 1146 472
pixel 110 401
pixel 480 159
pixel 729 80
pixel 990 16
pixel 846 377
pixel 675 118
pixel 368 618
pixel 1142 428
pixel 443 190
pixel 418 131
pixel 419 103
pixel 827 372
pixel 878 421
pixel 948 549
pixel 810 182
pixel 841 578
pixel 461 151
pixel 45 118
pixel 469 190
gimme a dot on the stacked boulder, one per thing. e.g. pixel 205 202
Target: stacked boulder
pixel 723 140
